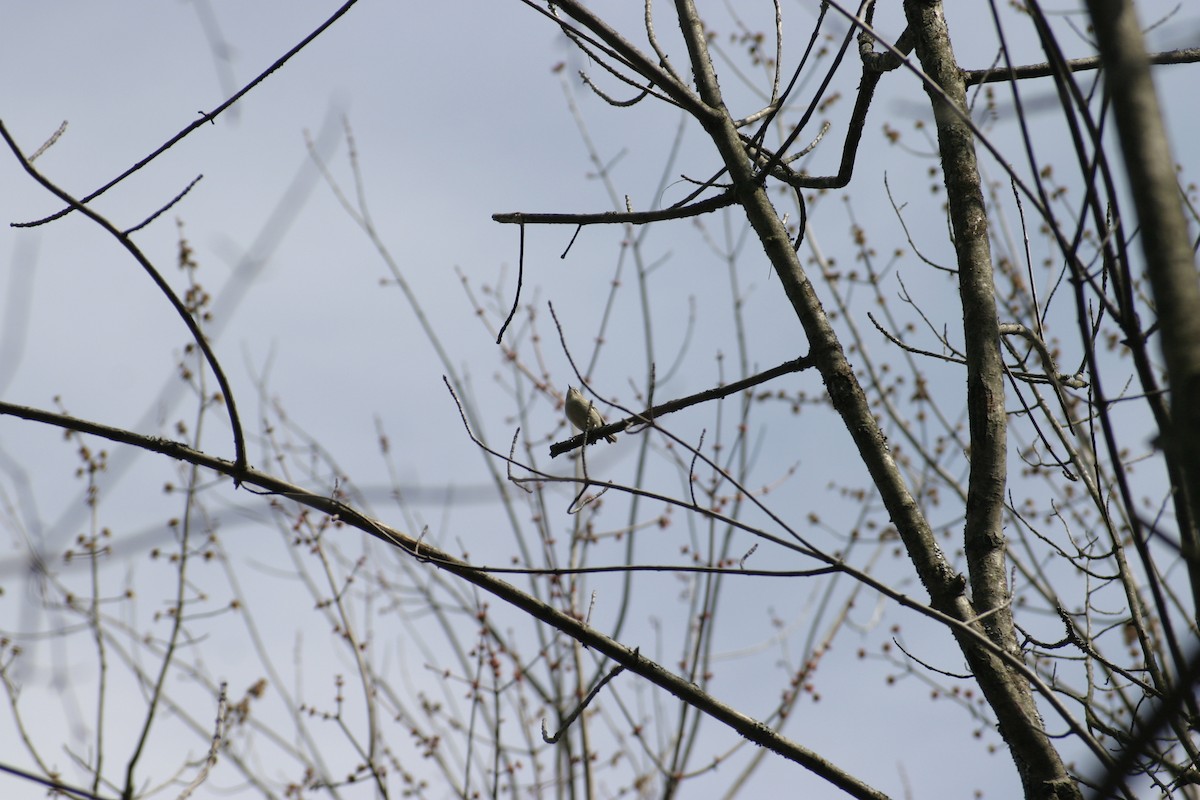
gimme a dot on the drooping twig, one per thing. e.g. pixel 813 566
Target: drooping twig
pixel 520 280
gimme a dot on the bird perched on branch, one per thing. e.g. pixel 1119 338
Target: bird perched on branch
pixel 583 414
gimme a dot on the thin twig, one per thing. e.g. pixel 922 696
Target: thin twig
pixel 206 117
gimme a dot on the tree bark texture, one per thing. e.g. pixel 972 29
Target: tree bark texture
pixel 1042 772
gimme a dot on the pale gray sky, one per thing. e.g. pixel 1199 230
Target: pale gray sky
pixel 458 113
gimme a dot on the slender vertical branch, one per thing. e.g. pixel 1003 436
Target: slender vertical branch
pixel 1170 263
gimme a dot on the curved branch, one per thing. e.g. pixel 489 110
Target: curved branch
pixel 239 438
pixel 634 58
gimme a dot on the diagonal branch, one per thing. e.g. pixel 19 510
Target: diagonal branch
pixel 670 407
pixel 628 657
pixel 206 117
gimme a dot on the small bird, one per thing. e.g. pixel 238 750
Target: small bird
pixel 583 414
